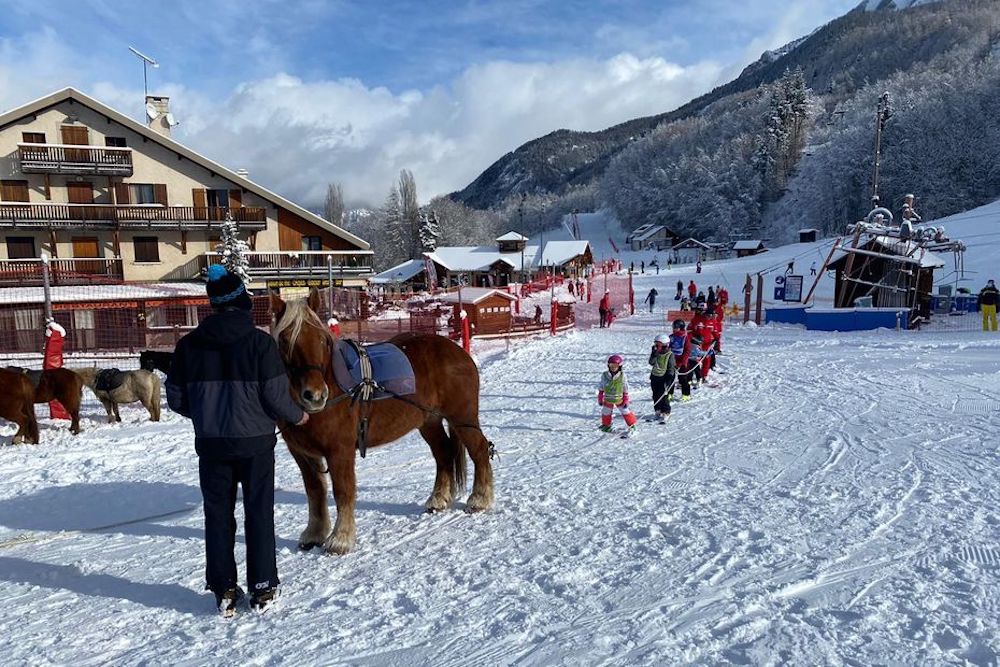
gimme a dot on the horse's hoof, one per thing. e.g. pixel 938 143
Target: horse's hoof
pixel 478 502
pixel 338 547
pixel 309 546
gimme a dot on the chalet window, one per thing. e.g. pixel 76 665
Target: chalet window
pixel 14 190
pixel 312 243
pixel 217 198
pixel 33 137
pixel 21 247
pixel 142 193
pixel 115 142
pixel 147 249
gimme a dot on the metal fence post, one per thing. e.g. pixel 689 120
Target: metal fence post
pixel 46 287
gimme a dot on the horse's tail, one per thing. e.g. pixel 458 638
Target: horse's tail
pixel 458 460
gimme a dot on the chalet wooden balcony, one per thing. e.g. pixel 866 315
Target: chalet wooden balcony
pixel 28 272
pixel 72 159
pixel 304 264
pixel 136 216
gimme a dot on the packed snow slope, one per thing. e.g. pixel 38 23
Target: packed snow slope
pixel 833 501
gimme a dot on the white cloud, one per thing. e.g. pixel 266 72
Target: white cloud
pixel 297 136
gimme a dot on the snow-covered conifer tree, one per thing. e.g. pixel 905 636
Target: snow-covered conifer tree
pixel 430 232
pixel 233 250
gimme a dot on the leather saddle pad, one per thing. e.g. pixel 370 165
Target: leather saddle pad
pixel 34 377
pixel 109 379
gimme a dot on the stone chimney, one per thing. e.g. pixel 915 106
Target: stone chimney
pixel 161 107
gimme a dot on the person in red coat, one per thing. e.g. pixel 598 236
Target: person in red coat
pixel 692 290
pixel 604 307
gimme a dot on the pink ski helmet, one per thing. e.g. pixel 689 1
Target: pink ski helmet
pixel 616 359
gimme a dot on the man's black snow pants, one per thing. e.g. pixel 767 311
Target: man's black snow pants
pixel 219 479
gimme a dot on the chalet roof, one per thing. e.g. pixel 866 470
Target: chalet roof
pixel 70 93
pixel 474 295
pixel 479 258
pixel 557 253
pixel 511 236
pixel 399 273
pixel 691 243
pixel 748 244
pixel 113 293
pixel 638 235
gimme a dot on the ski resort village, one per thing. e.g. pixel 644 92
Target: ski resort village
pixel 475 334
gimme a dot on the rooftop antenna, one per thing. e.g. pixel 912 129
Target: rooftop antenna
pixel 146 60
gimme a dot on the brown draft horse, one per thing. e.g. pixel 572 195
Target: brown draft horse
pixel 17 405
pixel 63 385
pixel 447 384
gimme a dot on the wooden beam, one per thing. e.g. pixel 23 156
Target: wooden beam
pixel 184 242
pixel 841 299
pixel 884 255
pixel 54 243
pixel 48 188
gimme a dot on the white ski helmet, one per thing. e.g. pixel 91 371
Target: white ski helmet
pixel 662 339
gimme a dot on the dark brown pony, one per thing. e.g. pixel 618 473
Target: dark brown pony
pixel 63 385
pixel 17 405
pixel 447 389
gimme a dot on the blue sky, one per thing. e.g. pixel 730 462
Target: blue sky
pixel 305 93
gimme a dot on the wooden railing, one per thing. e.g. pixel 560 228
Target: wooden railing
pixel 76 271
pixel 139 215
pixel 71 159
pixel 306 263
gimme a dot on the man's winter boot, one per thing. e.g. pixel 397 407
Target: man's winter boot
pixel 261 600
pixel 227 601
pixel 604 428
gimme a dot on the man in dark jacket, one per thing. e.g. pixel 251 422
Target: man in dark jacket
pixel 227 376
pixel 988 298
pixel 651 298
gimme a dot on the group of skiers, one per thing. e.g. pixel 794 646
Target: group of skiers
pixel 685 357
pixel 717 297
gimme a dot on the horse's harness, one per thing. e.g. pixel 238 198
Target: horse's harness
pixel 362 394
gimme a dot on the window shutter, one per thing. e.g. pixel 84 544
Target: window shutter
pixel 75 135
pixel 160 193
pixel 235 199
pixel 122 194
pixel 200 203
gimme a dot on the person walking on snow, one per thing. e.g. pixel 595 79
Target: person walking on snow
pixel 680 291
pixel 812 268
pixel 692 290
pixel 662 376
pixel 603 307
pixel 228 378
pixel 680 347
pixel 988 298
pixel 612 393
pixel 651 298
pixel 698 267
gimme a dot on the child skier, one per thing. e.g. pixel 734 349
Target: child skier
pixel 680 346
pixel 612 393
pixel 662 376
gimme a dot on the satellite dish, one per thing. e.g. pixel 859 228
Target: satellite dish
pixel 151 111
pixel 171 121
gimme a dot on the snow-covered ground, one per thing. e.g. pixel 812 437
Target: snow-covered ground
pixel 834 501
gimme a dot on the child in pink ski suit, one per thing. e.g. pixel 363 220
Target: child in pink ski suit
pixel 612 393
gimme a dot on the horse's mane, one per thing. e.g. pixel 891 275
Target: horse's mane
pixel 297 314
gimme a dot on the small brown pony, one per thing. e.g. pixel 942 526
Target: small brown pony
pixel 142 386
pixel 447 388
pixel 17 405
pixel 59 384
